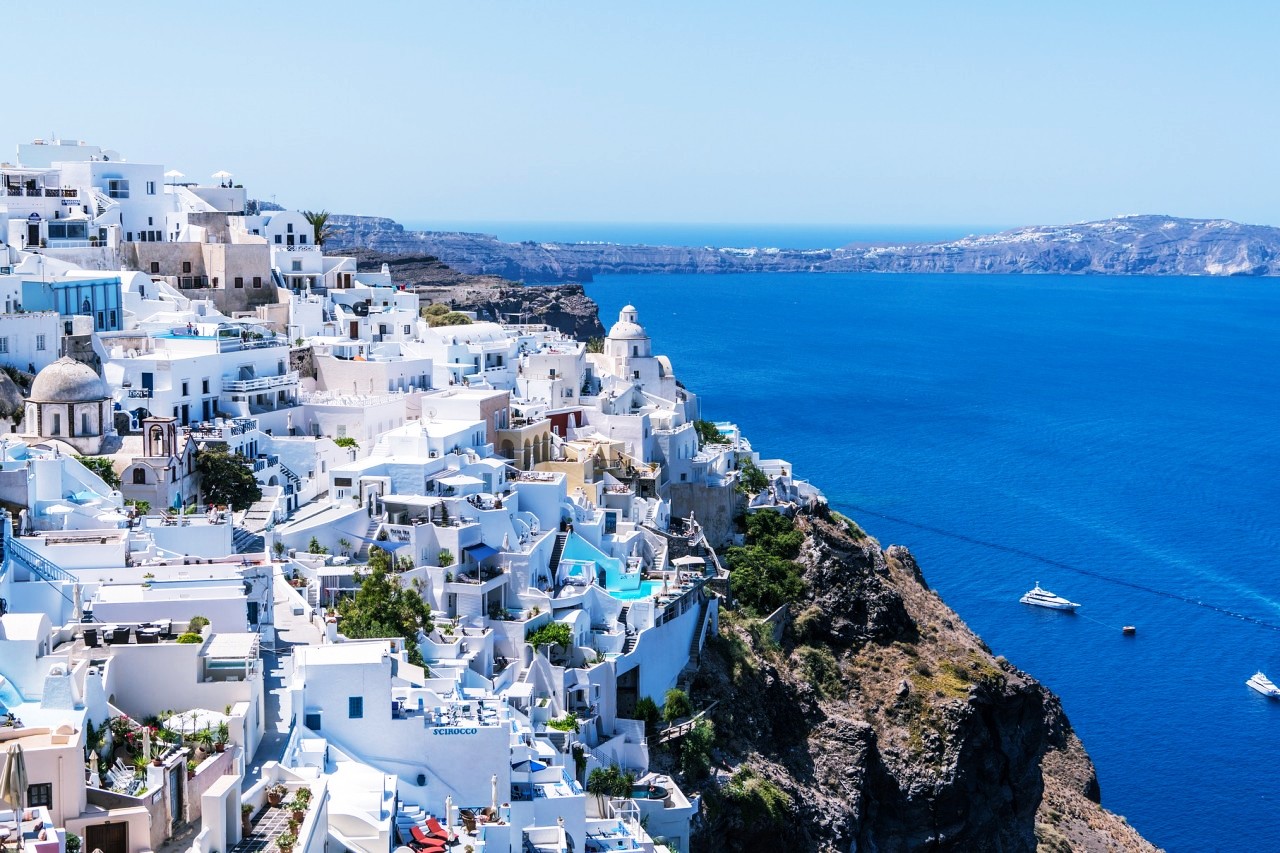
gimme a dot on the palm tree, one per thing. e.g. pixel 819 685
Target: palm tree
pixel 319 220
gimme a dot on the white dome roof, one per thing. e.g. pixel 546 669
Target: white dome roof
pixel 68 381
pixel 628 326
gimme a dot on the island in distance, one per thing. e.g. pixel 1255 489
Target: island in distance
pixel 1126 245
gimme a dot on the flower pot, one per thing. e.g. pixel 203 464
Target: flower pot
pixel 298 815
pixel 155 762
pixel 219 747
pixel 274 799
pixel 246 826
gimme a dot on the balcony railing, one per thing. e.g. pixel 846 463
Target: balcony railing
pixel 260 383
pixel 43 192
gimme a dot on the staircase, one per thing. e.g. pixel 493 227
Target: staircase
pixel 294 479
pixel 38 566
pixel 630 645
pixel 557 552
pixel 370 532
pixel 622 614
pixel 245 541
pixel 695 644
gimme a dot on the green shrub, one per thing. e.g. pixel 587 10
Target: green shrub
pixel 675 705
pixel 695 750
pixel 190 637
pixel 751 479
pixel 762 582
pixel 550 634
pixel 197 623
pixel 646 709
pixel 568 723
pixel 775 533
pixel 708 434
pixel 762 804
pixel 818 666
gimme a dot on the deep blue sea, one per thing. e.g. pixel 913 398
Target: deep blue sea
pixel 1090 433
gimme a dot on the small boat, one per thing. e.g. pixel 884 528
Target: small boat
pixel 1129 630
pixel 1043 598
pixel 1263 685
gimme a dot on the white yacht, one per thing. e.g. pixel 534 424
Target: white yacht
pixel 1043 598
pixel 1263 685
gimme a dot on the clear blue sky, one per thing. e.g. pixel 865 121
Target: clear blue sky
pixel 795 112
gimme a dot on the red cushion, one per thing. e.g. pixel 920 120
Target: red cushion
pixel 436 828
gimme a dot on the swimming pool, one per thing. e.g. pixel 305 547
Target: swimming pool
pixel 646 589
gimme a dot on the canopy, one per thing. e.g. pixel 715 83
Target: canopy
pixel 460 480
pixel 480 552
pixel 689 560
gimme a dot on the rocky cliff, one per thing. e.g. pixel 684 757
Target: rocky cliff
pixel 880 722
pixel 565 306
pixel 1146 245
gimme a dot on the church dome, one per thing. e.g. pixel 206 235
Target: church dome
pixel 68 381
pixel 628 326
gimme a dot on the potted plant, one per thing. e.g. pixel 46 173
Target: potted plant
pixel 221 737
pixel 285 842
pixel 276 793
pixel 246 826
pixel 203 740
pixel 298 807
pixel 303 796
pixel 140 763
pixel 192 764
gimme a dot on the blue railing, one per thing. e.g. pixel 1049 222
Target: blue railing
pixel 41 567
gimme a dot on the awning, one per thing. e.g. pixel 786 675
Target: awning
pixel 479 552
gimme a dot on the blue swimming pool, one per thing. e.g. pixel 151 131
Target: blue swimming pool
pixel 646 589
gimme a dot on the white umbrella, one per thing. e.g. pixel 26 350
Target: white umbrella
pixel 146 742
pixel 448 815
pixel 13 782
pixel 221 175
pixel 174 173
pixel 195 720
pixel 94 779
pixel 493 787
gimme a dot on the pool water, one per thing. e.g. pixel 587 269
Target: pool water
pixel 645 590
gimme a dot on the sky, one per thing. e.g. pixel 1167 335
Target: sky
pixel 912 113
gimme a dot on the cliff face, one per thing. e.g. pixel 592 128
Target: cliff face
pixel 880 722
pixel 1146 245
pixel 566 306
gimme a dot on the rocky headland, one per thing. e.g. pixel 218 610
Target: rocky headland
pixel 873 719
pixel 1129 245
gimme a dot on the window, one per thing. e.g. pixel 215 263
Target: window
pixel 39 342
pixel 257 281
pixel 635 374
pixel 40 794
pixel 84 424
pixel 239 281
pixel 139 476
pixel 184 388
pixel 279 239
pixel 57 424
pixel 128 236
pixel 204 386
pixel 4 344
pixel 342 481
pixel 151 190
pixel 117 188
pixel 312 720
pixel 302 238
pixel 297 266
pixel 215 281
pixel 155 267
pixel 112 315
pixel 150 219
pixel 186 266
pixel 406 330
pixel 355 707
pixel 635 351
pixel 290 227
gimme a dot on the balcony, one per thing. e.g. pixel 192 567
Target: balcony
pixel 42 192
pixel 260 383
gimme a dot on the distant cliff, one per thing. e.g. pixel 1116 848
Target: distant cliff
pixel 1130 245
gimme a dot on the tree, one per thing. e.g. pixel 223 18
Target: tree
pixel 453 318
pixel 346 441
pixel 609 781
pixel 675 705
pixel 760 581
pixel 384 607
pixel 314 547
pixel 319 220
pixel 646 709
pixel 708 433
pixel 436 309
pixel 595 344
pixel 751 480
pixel 101 465
pixel 775 533
pixel 226 478
pixel 695 749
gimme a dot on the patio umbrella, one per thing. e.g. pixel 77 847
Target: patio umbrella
pixel 448 815
pixel 493 788
pixel 174 174
pixel 221 174
pixel 146 742
pixel 77 605
pixel 13 782
pixel 93 768
pixel 194 720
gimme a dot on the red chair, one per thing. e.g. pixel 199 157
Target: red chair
pixel 422 841
pixel 437 830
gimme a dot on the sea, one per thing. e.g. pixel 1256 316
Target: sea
pixel 1114 438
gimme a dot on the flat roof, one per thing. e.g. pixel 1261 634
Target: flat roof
pixel 348 652
pixel 241 645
